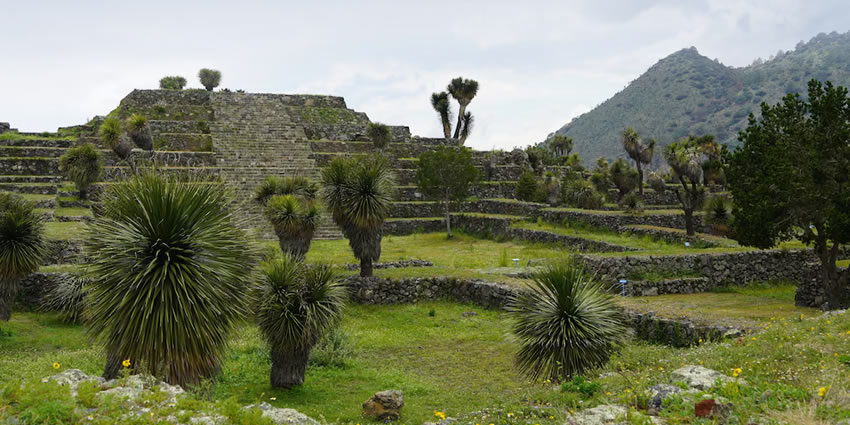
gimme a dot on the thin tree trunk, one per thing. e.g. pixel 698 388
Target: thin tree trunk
pixel 640 179
pixel 8 293
pixel 289 367
pixel 689 221
pixel 460 113
pixel 5 308
pixel 366 267
pixel 113 365
pixel 447 128
pixel 448 218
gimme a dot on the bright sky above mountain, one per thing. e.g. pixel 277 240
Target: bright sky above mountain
pixel 538 63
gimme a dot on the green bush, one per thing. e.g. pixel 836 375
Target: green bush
pixel 566 323
pixel 172 83
pixel 334 350
pixel 22 246
pixel 656 182
pixel 526 187
pixel 170 276
pixel 579 193
pixel 379 134
pixel 632 203
pixel 140 132
pixel 294 220
pixel 83 165
pixel 210 78
pixel 580 385
pixel 274 185
pixel 718 210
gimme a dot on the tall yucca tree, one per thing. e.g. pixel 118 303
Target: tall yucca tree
pixel 566 323
pixel 296 305
pixel 468 120
pixel 83 165
pixel 686 159
pixel 171 275
pixel 358 192
pixel 463 90
pixel 22 247
pixel 640 152
pixel 440 103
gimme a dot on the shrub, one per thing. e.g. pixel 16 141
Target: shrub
pixel 110 131
pixel 67 298
pixel 172 83
pixel 334 349
pixel 566 323
pixel 579 193
pixel 170 276
pixel 210 78
pixel 379 134
pixel 526 187
pixel 297 305
pixel 632 203
pixel 140 132
pixel 294 221
pixel 274 185
pixel 83 165
pixel 22 246
pixel 656 182
pixel 580 385
pixel 718 210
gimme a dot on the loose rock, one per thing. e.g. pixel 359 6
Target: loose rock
pixel 384 405
pixel 698 377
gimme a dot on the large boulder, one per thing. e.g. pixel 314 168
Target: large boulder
pixel 72 378
pixel 384 405
pixel 698 377
pixel 658 394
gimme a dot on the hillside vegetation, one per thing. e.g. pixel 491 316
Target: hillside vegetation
pixel 687 93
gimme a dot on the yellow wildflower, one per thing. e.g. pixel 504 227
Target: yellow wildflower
pixel 56 365
pixel 126 363
pixel 272 398
pixel 737 371
pixel 822 391
pixel 441 415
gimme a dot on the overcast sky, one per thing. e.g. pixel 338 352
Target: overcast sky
pixel 538 63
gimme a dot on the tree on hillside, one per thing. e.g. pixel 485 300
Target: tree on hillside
pixel 623 176
pixel 358 192
pixel 172 83
pixel 640 152
pixel 791 179
pixel 447 173
pixel 440 103
pixel 463 90
pixel 686 158
pixel 210 78
pixel 561 145
pixel 83 165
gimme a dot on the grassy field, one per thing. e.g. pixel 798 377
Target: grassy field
pixel 457 364
pixel 745 307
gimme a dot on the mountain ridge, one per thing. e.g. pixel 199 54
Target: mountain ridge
pixel 688 93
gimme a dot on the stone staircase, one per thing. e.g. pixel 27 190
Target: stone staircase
pixel 254 137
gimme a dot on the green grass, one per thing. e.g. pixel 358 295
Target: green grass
pixel 74 212
pixel 746 307
pixel 843 263
pixel 459 364
pixel 672 211
pixel 64 230
pixel 11 135
pixel 602 235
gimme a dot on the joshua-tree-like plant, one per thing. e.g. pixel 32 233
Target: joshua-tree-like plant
pixel 22 247
pixel 656 182
pixel 67 298
pixel 83 165
pixel 623 176
pixel 686 159
pixel 140 132
pixel 112 135
pixel 640 152
pixel 379 134
pixel 171 276
pixel 297 304
pixel 561 145
pixel 210 78
pixel 466 129
pixel 718 213
pixel 440 103
pixel 172 83
pixel 566 323
pixel 358 192
pixel 580 193
pixel 463 90
pixel 295 221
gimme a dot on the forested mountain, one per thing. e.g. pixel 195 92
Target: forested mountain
pixel 687 93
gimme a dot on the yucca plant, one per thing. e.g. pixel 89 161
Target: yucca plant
pixel 112 135
pixel 274 185
pixel 358 192
pixel 656 182
pixel 294 221
pixel 83 165
pixel 718 213
pixel 66 297
pixel 171 275
pixel 22 247
pixel 379 134
pixel 296 305
pixel 580 193
pixel 140 132
pixel 566 323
